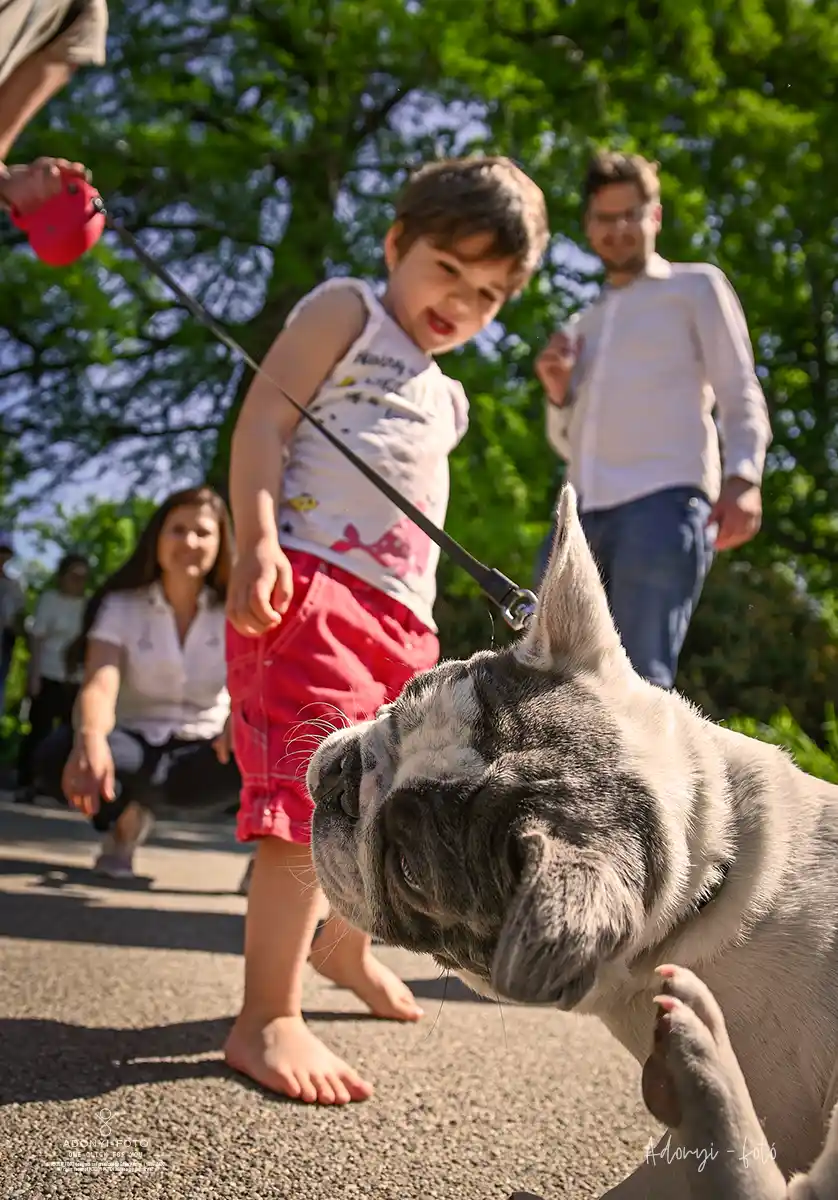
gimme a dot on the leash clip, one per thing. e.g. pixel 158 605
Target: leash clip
pixel 518 608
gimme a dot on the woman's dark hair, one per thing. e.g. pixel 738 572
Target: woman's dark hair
pixel 143 568
pixel 67 563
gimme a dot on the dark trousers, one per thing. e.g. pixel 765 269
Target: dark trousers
pixel 7 649
pixel 175 778
pixel 52 706
pixel 653 555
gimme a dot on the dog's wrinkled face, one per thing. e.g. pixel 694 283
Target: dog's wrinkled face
pixel 490 816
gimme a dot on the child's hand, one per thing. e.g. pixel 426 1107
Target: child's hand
pixel 261 587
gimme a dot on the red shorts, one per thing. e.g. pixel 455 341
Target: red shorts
pixel 343 649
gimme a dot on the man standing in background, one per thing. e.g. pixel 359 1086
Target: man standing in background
pixel 631 385
pixel 42 43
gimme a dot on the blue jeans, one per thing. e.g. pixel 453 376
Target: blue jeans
pixel 653 555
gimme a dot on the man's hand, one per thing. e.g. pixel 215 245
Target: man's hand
pixel 737 512
pixel 26 188
pixel 260 589
pixel 554 366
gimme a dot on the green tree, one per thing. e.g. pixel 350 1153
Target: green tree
pixel 258 149
pixel 105 532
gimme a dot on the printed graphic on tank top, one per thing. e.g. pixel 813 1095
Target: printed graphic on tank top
pixel 391 403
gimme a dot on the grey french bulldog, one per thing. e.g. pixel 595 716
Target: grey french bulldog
pixel 557 831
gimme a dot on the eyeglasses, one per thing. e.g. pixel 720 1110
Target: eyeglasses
pixel 631 216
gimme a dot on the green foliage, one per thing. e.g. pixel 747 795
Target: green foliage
pixel 783 730
pixel 258 149
pixel 757 643
pixel 106 534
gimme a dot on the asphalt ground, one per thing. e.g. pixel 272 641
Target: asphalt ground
pixel 115 1000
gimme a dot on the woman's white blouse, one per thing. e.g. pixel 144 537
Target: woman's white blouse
pixel 166 690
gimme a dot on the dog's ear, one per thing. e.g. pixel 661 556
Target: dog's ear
pixel 572 626
pixel 573 910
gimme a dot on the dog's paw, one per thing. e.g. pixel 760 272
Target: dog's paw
pixel 692 1081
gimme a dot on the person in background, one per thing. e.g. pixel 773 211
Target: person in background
pixel 631 387
pixel 150 724
pixel 12 603
pixel 42 44
pixel 51 688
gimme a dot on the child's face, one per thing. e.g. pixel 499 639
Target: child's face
pixel 442 298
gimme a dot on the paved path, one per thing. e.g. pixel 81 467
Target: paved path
pixel 115 1000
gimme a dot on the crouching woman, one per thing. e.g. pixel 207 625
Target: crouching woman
pixel 150 733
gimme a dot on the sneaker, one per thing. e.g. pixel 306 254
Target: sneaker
pixel 115 865
pixel 116 859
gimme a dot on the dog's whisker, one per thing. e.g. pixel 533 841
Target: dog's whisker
pixel 336 943
pixel 503 1023
pixel 313 724
pixel 446 975
pixel 313 738
pixel 339 713
pixel 343 720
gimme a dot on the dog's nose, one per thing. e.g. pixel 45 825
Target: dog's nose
pixel 350 789
pixel 341 782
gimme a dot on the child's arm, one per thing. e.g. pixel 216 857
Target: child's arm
pixel 300 359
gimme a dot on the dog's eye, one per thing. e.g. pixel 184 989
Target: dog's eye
pixel 408 876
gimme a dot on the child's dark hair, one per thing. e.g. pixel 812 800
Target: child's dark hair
pixel 613 166
pixel 460 198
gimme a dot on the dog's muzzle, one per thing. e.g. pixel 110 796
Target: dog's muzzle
pixel 338 783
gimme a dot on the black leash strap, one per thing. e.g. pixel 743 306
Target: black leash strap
pixel 516 604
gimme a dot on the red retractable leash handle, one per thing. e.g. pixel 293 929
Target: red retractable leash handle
pixel 67 225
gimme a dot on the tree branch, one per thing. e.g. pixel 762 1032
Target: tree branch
pixel 107 432
pixel 374 118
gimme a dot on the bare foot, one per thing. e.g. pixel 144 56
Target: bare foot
pixel 343 955
pixel 285 1056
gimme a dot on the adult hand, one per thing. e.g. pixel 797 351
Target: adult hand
pixel 27 187
pixel 223 744
pixel 33 686
pixel 261 587
pixel 737 512
pixel 554 365
pixel 89 774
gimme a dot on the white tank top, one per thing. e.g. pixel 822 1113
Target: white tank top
pixel 391 403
